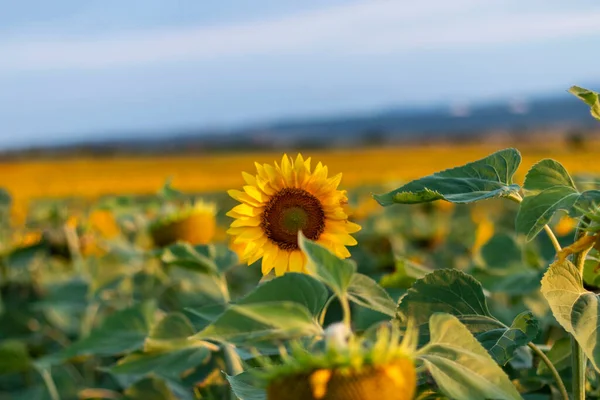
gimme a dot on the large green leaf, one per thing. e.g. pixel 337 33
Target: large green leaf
pixel 123 331
pixel 589 97
pixel 298 288
pixel 576 309
pixel 245 387
pixel 262 321
pixel 328 268
pixel 365 292
pixel 502 343
pixel 448 291
pixel 549 188
pixel 460 366
pixel 482 179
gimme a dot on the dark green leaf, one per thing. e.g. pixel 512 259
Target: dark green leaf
pixel 502 343
pixel 559 355
pixel 460 366
pixel 501 251
pixel 449 291
pixel 483 179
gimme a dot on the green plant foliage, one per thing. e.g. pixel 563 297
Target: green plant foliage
pixel 187 256
pixel 448 291
pixel 365 292
pixel 261 321
pixel 482 179
pixel 297 288
pixel 14 357
pixel 325 266
pixel 559 355
pixel 502 343
pixel 549 188
pixel 245 387
pixel 590 98
pixel 460 366
pixel 122 331
pixel 576 309
pixel 501 251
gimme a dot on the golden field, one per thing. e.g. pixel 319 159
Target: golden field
pixel 93 177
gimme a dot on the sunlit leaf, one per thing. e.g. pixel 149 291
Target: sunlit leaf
pixel 460 366
pixel 576 309
pixel 261 321
pixel 185 255
pixel 325 266
pixel 245 387
pixel 479 180
pixel 365 292
pixel 589 97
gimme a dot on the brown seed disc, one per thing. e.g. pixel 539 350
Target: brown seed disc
pixel 291 210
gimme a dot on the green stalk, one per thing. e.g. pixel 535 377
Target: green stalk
pixel 49 382
pixel 346 309
pixel 324 310
pixel 578 358
pixel 559 382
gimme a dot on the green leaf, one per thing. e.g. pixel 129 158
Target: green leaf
pixel 483 179
pixel 365 292
pixel 262 321
pixel 14 357
pixel 590 98
pixel 168 364
pixel 298 288
pixel 326 267
pixel 150 389
pixel 549 188
pixel 559 355
pixel 245 387
pixel 448 291
pixel 167 351
pixel 5 199
pixel 121 332
pixel 501 251
pixel 184 255
pixel 502 343
pixel 460 366
pixel 576 309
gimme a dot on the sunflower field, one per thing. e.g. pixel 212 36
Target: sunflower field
pixel 475 282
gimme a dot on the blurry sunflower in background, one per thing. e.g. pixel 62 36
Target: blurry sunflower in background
pixel 279 202
pixel 192 223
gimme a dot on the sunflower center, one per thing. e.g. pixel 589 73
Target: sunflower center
pixel 291 210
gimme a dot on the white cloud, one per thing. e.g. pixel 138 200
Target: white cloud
pixel 372 27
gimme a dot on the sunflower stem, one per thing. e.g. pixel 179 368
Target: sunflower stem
pixel 559 382
pixel 49 382
pixel 578 358
pixel 324 310
pixel 346 309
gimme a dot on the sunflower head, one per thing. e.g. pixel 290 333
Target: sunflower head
pixel 281 200
pixel 194 224
pixel 354 370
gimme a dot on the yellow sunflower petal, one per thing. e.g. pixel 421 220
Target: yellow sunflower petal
pixel 342 238
pixel 256 194
pixel 296 261
pixel 282 262
pixel 244 198
pixel 249 179
pixel 244 210
pixel 268 261
pixel 253 221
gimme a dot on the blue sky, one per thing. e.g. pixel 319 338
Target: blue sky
pixel 74 70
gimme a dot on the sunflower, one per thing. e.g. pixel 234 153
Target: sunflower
pixel 194 224
pixel 279 202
